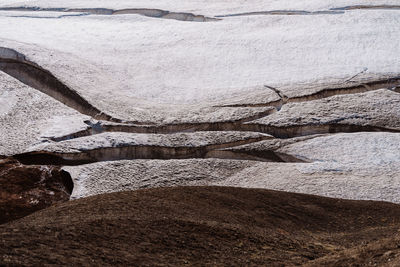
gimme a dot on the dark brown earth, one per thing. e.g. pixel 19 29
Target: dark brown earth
pixel 26 189
pixel 200 226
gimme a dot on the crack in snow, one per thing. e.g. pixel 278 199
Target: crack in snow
pixel 147 12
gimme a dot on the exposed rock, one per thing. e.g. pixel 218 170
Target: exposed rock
pixel 26 189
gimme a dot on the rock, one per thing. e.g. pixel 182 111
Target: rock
pixel 26 189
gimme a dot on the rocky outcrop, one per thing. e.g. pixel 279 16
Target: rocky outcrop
pixel 26 189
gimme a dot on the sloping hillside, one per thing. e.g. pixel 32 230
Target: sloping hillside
pixel 204 226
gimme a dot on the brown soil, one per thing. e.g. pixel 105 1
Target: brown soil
pixel 205 226
pixel 26 189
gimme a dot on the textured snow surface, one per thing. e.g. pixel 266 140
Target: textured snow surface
pixel 105 140
pixel 28 117
pixel 209 7
pixel 265 85
pixel 176 62
pixel 351 166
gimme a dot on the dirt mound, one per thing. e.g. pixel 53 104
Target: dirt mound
pixel 26 189
pixel 383 252
pixel 200 226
